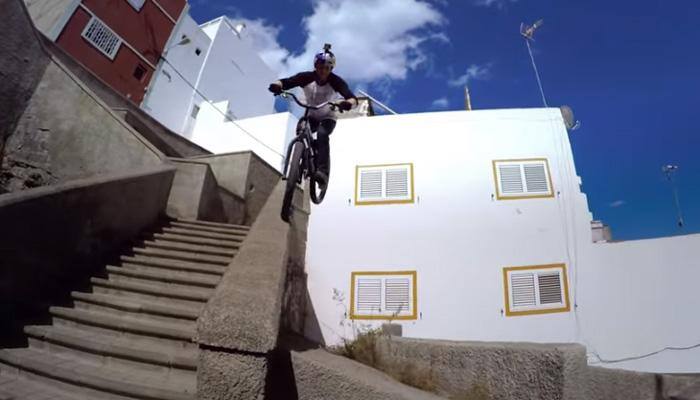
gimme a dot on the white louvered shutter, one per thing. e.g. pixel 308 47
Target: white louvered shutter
pixel 397 295
pixel 523 289
pixel 369 295
pixel 100 36
pixel 536 178
pixel 511 179
pixel 397 183
pixel 550 290
pixel 371 184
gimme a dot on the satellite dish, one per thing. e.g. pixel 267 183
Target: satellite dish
pixel 568 114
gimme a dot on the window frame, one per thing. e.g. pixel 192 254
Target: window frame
pixel 538 308
pixel 384 200
pixel 413 294
pixel 524 194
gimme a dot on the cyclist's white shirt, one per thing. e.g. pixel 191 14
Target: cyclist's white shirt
pixel 316 94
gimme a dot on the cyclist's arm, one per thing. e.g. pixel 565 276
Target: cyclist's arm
pixel 340 86
pixel 300 79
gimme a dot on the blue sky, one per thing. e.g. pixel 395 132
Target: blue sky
pixel 629 69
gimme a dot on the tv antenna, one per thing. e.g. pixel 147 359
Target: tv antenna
pixel 528 32
pixel 669 170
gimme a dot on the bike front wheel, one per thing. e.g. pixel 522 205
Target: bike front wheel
pixel 293 176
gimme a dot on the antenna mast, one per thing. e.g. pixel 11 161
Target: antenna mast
pixel 528 32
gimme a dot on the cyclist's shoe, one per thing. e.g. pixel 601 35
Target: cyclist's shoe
pixel 321 178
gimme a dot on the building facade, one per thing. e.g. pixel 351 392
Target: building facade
pixel 120 41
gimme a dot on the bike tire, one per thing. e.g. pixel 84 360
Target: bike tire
pixel 315 191
pixel 293 176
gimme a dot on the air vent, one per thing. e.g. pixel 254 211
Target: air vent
pixel 100 36
pixel 384 184
pixel 520 179
pixel 536 289
pixel 383 295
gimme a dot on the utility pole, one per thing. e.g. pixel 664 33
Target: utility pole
pixel 528 32
pixel 669 170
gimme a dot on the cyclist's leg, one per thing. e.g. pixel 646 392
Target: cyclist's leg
pixel 325 128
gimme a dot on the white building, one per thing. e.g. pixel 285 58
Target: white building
pixel 209 66
pixel 471 225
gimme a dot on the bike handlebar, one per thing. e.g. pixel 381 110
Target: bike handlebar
pixel 317 107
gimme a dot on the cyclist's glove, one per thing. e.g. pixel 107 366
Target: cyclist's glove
pixel 274 88
pixel 345 105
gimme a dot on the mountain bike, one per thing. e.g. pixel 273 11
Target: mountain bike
pixel 301 159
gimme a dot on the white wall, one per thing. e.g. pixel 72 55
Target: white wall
pixel 628 299
pixel 639 297
pixel 170 96
pixel 456 235
pixel 218 135
pixel 235 73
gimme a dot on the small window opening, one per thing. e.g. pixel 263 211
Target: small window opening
pixel 140 72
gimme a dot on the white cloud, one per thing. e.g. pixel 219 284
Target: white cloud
pixel 440 104
pixel 473 72
pixel 372 39
pixel 494 3
pixel 617 203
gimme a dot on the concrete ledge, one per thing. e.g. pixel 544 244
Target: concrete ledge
pixel 617 384
pixel 322 375
pixel 497 370
pixel 244 312
pixel 230 376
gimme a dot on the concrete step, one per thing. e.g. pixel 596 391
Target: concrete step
pixel 182 256
pixel 209 235
pixel 195 248
pixel 96 377
pixel 205 228
pixel 24 386
pixel 229 244
pixel 139 325
pixel 212 224
pixel 159 275
pixel 141 306
pixel 156 289
pixel 145 351
pixel 176 265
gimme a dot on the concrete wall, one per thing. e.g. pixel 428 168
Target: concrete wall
pixel 47 14
pixel 196 194
pixel 245 175
pixel 21 66
pixel 239 328
pixel 166 141
pixel 52 238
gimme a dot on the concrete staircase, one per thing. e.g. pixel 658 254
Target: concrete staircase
pixel 131 336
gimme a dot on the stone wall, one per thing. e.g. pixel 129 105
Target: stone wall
pixel 52 238
pixel 22 64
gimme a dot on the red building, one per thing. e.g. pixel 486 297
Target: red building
pixel 120 41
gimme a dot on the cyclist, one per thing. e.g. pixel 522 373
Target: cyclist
pixel 320 85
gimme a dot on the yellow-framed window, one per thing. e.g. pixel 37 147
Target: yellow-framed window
pixel 522 179
pixel 536 289
pixel 386 295
pixel 384 184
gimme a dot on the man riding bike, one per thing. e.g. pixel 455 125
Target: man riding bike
pixel 320 85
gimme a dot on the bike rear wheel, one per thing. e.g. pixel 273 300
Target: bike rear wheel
pixel 293 176
pixel 316 191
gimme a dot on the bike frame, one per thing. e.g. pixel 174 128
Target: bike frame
pixel 305 137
